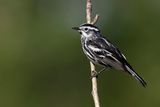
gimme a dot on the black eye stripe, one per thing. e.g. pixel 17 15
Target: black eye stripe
pixel 89 28
pixel 85 29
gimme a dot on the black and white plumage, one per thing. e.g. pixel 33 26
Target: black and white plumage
pixel 101 51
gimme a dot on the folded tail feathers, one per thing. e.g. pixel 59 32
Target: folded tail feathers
pixel 135 75
pixel 140 80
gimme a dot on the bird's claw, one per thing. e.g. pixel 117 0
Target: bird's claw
pixel 94 74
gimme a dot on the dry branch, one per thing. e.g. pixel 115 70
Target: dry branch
pixel 93 69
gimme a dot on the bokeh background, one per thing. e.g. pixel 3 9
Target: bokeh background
pixel 42 63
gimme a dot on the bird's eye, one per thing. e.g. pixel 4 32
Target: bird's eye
pixel 86 29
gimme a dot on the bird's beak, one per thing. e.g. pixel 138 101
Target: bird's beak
pixel 76 28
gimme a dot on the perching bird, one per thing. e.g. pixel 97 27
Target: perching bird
pixel 101 51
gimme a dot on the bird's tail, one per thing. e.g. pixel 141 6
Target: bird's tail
pixel 135 75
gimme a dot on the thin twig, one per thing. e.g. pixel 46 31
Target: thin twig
pixel 95 19
pixel 88 11
pixel 94 86
pixel 93 69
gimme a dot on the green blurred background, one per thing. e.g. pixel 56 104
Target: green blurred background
pixel 42 63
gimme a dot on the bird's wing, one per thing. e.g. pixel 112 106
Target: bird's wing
pixel 103 48
pixel 110 55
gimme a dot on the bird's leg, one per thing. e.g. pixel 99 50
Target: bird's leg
pixel 103 69
pixel 95 73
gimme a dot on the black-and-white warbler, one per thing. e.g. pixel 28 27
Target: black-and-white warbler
pixel 102 52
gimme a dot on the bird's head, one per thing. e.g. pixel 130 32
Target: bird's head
pixel 87 30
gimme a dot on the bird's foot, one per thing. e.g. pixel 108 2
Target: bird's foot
pixel 94 74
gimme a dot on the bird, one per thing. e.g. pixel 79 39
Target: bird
pixel 100 51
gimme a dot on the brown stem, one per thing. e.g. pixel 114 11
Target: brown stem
pixel 88 11
pixel 94 86
pixel 95 19
pixel 93 69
